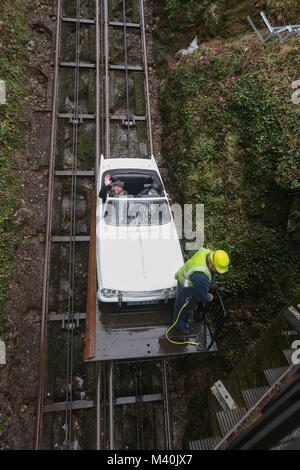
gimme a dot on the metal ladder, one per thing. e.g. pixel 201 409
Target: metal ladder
pixel 281 32
pixel 231 413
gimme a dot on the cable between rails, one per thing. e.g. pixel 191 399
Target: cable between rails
pixel 70 317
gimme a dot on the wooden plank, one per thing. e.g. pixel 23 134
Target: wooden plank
pixel 90 334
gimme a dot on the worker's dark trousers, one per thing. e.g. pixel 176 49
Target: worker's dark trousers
pixel 182 293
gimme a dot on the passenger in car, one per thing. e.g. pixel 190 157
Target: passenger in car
pixel 112 188
pixel 151 190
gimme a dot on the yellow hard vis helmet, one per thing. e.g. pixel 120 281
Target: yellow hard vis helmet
pixel 220 260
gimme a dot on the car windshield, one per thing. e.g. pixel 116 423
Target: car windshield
pixel 119 211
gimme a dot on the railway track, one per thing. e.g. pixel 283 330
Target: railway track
pixel 69 317
pixel 135 406
pixel 85 109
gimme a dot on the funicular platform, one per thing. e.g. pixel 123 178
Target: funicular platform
pixel 135 334
pixel 131 331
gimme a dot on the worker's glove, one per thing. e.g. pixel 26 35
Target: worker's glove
pixel 214 289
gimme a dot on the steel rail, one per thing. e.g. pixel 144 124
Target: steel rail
pixel 167 410
pixel 111 405
pixel 98 406
pixel 105 387
pixel 72 243
pixel 97 161
pixel 106 84
pixel 48 230
pixel 101 78
pixel 140 406
pixel 147 91
pixel 126 76
pixel 97 91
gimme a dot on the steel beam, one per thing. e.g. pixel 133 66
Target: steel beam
pixel 75 405
pixel 80 20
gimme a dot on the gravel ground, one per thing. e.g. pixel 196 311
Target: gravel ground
pixel 18 377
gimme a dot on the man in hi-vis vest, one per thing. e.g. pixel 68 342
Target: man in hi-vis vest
pixel 195 278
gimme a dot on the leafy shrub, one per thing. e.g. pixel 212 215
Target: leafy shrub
pixel 13 67
pixel 230 141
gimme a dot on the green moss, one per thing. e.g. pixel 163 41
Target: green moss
pixel 135 11
pixel 139 94
pixel 91 93
pixel 13 67
pixel 111 45
pixel 286 10
pixel 176 22
pixel 110 8
pixel 88 51
pixel 86 149
pixel 139 105
pixel 229 143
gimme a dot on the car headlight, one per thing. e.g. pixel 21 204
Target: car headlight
pixel 109 292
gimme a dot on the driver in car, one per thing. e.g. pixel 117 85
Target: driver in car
pixel 112 188
pixel 152 190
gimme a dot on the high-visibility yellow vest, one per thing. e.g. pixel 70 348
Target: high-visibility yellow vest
pixel 196 263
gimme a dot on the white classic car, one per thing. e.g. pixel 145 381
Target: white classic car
pixel 138 248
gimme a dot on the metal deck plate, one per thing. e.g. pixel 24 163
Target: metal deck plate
pixel 140 335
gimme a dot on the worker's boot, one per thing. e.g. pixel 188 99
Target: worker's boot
pixel 184 331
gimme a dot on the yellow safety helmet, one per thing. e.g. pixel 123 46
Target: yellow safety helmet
pixel 220 260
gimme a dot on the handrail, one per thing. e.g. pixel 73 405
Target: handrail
pixel 214 316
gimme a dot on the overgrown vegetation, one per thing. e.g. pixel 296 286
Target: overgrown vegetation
pixel 178 21
pixel 213 13
pixel 231 143
pixel 13 66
